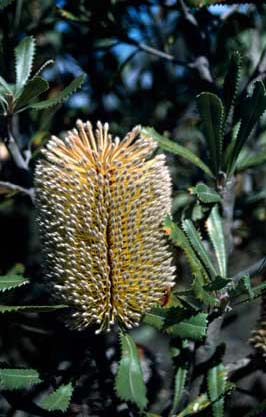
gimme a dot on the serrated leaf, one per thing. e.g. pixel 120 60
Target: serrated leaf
pixel 5 3
pixel 249 159
pixel 197 245
pixel 13 379
pixel 8 282
pixel 212 115
pixel 217 377
pixel 216 233
pixel 180 379
pixel 32 89
pixel 231 82
pixel 194 328
pixel 129 382
pixel 251 109
pixel 218 284
pixel 205 194
pixel 30 309
pixel 202 291
pixel 200 403
pixel 58 400
pixel 155 318
pixel 61 96
pixel 179 238
pixel 170 146
pixel 24 54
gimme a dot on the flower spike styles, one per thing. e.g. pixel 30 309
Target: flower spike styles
pixel 101 203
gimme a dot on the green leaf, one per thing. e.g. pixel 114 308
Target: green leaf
pixel 155 318
pixel 12 281
pixel 200 403
pixel 32 89
pixel 217 377
pixel 5 3
pixel 170 146
pixel 61 96
pixel 179 238
pixel 205 194
pixel 231 82
pixel 24 54
pixel 203 292
pixel 194 328
pixel 30 309
pixel 5 85
pixel 58 400
pixel 180 379
pixel 197 245
pixel 251 110
pixel 129 382
pixel 13 379
pixel 216 233
pixel 218 284
pixel 249 159
pixel 212 114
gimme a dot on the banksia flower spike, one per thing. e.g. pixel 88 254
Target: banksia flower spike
pixel 258 339
pixel 101 203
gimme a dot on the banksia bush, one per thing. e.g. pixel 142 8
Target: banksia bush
pixel 101 203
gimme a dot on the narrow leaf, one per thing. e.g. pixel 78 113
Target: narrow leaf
pixel 212 114
pixel 30 309
pixel 58 400
pixel 32 89
pixel 216 233
pixel 194 328
pixel 180 380
pixel 196 243
pixel 170 146
pixel 61 96
pixel 250 160
pixel 179 238
pixel 155 318
pixel 13 379
pixel 217 377
pixel 251 110
pixel 24 54
pixel 12 281
pixel 129 382
pixel 231 82
pixel 200 403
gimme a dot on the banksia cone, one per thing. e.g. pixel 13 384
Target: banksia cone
pixel 101 204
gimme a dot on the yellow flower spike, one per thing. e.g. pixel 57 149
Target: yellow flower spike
pixel 101 204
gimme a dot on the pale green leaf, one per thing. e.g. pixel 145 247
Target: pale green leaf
pixel 129 382
pixel 180 379
pixel 205 194
pixel 8 282
pixel 61 96
pixel 212 115
pixel 217 378
pixel 170 146
pixel 24 55
pixel 58 400
pixel 13 379
pixel 215 229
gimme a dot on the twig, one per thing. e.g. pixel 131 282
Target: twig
pixel 13 147
pixel 18 188
pixel 257 268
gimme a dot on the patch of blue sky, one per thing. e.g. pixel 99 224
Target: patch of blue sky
pixel 62 26
pixel 79 100
pixel 64 64
pixel 60 3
